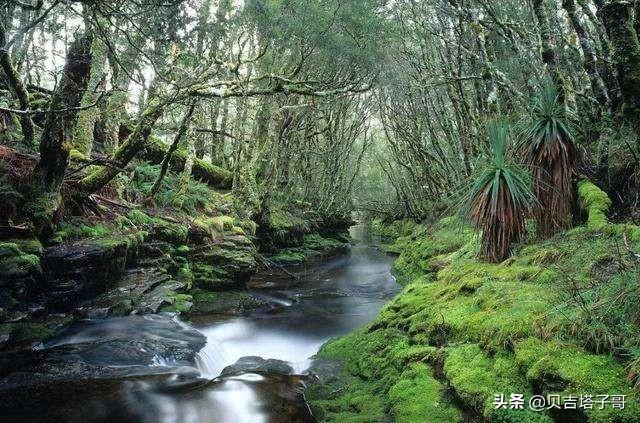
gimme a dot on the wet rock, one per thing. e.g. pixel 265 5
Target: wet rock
pixel 79 270
pixel 254 364
pixel 227 264
pixel 24 331
pixel 230 303
pixel 139 291
pixel 95 349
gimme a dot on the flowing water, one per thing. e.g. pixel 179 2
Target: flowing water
pixel 251 368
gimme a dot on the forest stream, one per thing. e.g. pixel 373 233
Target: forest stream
pixel 252 368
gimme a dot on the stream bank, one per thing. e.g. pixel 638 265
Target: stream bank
pixel 463 331
pixel 143 260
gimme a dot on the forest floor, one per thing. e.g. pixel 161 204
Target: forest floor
pixel 558 319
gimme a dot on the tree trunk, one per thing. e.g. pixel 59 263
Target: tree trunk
pixel 202 170
pixel 17 88
pixel 185 177
pixel 44 198
pixel 618 19
pixel 87 118
pixel 134 144
pixel 184 126
pixel 590 61
pixel 548 52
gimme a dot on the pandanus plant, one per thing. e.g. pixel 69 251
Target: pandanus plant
pixel 551 153
pixel 498 200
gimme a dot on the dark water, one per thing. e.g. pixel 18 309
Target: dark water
pixel 143 368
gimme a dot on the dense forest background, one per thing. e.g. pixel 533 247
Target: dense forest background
pixel 368 105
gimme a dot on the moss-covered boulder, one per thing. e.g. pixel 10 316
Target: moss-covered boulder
pixel 314 247
pixel 227 264
pixel 20 270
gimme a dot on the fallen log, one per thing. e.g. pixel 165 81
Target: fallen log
pixel 204 171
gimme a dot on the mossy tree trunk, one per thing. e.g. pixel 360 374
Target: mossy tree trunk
pixel 17 87
pixel 44 198
pixel 115 108
pixel 164 166
pixel 548 53
pixel 135 143
pixel 618 17
pixel 590 60
pixel 185 177
pixel 88 116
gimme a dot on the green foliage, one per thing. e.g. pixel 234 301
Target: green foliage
pixel 19 259
pixel 550 148
pixel 162 229
pixel 198 196
pixel 497 201
pixel 78 228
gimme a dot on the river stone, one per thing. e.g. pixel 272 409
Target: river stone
pixel 81 269
pixel 96 349
pixel 254 364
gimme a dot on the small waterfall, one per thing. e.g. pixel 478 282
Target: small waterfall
pixel 211 359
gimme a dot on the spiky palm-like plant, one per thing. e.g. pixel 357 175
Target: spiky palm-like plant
pixel 498 200
pixel 551 152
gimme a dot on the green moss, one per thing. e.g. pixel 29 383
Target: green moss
pixel 313 246
pixel 568 370
pixel 17 260
pixel 35 330
pixel 417 396
pixel 390 231
pixel 209 277
pixel 477 378
pixel 221 223
pixel 161 229
pixel 473 315
pixel 180 303
pixel 596 203
pixel 420 250
pixel 289 256
pixel 77 229
pixel 183 250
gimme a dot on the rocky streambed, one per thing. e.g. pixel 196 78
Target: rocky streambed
pixel 240 355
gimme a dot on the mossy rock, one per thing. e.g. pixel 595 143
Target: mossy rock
pixel 314 246
pixel 564 369
pixel 224 302
pixel 31 331
pixel 20 269
pixel 180 303
pixel 158 228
